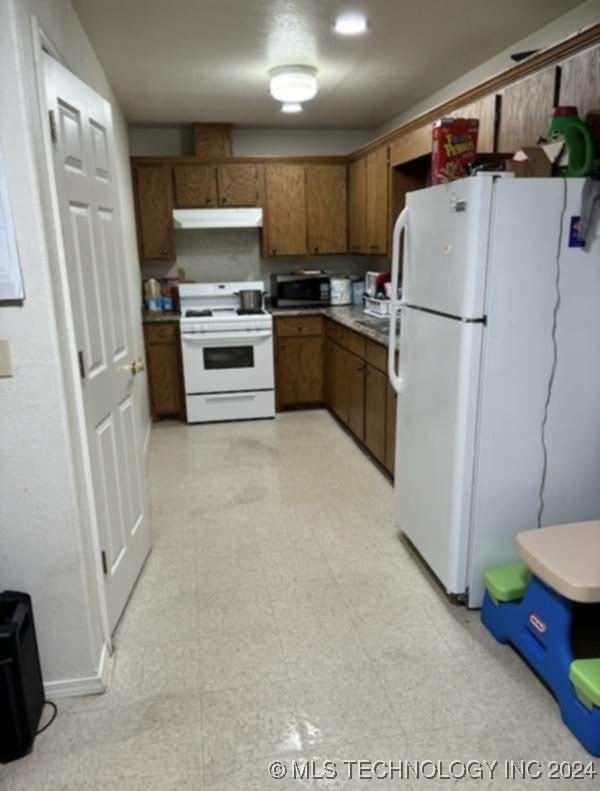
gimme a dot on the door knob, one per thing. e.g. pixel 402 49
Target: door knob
pixel 136 366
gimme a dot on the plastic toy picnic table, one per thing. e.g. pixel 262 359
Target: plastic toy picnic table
pixel 532 604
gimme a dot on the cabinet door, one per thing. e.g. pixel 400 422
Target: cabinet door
pixel 390 431
pixel 357 205
pixel 341 369
pixel 326 208
pixel 375 415
pixel 579 81
pixel 165 377
pixel 485 110
pixel 299 371
pixel 154 205
pixel 286 209
pixel 329 374
pixel 356 395
pixel 238 184
pixel 195 186
pixel 525 110
pixel 377 201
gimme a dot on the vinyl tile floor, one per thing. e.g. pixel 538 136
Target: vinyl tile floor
pixel 281 617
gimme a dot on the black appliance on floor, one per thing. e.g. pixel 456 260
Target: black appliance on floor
pixel 21 689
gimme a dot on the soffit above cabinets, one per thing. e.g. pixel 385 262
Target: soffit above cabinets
pixel 179 62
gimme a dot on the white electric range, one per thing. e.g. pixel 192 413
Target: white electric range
pixel 227 354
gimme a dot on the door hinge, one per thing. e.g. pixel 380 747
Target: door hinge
pixel 104 563
pixel 52 120
pixel 81 364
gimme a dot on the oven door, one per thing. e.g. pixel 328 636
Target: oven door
pixel 226 362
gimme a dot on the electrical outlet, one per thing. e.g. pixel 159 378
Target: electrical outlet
pixel 6 368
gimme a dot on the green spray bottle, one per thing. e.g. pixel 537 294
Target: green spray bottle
pixel 566 122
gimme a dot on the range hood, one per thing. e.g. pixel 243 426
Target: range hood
pixel 217 218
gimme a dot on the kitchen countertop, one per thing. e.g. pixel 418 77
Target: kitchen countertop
pixel 152 316
pixel 349 316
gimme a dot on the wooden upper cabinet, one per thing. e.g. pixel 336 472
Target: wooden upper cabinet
pixel 286 209
pixel 411 145
pixel 212 141
pixel 525 110
pixel 357 205
pixel 195 186
pixel 484 110
pixel 377 201
pixel 326 208
pixel 580 81
pixel 154 210
pixel 238 184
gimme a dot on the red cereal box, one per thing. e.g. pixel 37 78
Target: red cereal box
pixel 454 147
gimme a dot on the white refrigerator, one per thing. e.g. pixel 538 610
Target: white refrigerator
pixel 498 371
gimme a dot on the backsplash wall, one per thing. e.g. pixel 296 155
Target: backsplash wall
pixel 219 255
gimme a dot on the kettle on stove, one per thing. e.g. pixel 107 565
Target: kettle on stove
pixel 578 139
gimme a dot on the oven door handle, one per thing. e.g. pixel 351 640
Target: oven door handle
pixel 215 338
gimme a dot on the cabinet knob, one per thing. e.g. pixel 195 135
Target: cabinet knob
pixel 207 200
pixel 164 251
pixel 223 200
pixel 273 251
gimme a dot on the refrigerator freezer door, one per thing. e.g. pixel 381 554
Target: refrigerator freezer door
pixel 447 247
pixel 435 436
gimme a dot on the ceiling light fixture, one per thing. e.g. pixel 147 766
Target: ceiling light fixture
pixel 350 24
pixel 291 107
pixel 293 84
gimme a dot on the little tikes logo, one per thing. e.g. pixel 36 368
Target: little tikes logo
pixel 537 623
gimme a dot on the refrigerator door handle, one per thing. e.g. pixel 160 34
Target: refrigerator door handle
pixel 400 225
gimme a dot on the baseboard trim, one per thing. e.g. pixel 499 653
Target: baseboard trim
pixel 88 685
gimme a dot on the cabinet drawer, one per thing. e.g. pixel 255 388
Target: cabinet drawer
pixel 377 356
pixel 299 325
pixel 161 332
pixel 351 340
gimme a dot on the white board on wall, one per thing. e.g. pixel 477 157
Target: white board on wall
pixel 11 281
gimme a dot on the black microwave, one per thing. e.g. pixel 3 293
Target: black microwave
pixel 300 291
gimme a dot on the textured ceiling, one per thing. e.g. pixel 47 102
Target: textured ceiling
pixel 176 61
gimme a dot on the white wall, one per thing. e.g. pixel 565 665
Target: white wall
pixel 223 254
pixel 177 141
pixel 582 16
pixel 44 548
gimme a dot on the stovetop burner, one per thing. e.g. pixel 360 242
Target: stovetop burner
pixel 258 312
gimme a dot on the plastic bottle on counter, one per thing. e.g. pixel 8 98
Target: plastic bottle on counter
pixel 153 295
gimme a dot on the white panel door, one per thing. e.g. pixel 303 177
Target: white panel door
pixel 435 436
pixel 447 245
pixel 87 192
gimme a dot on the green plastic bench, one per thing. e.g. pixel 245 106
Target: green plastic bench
pixel 507 583
pixel 584 674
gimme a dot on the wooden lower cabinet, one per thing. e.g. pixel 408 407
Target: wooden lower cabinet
pixel 355 393
pixel 298 361
pixel 165 373
pixel 375 412
pixel 390 429
pixel 299 371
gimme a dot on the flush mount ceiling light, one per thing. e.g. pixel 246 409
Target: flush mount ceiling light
pixel 291 107
pixel 293 84
pixel 350 24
